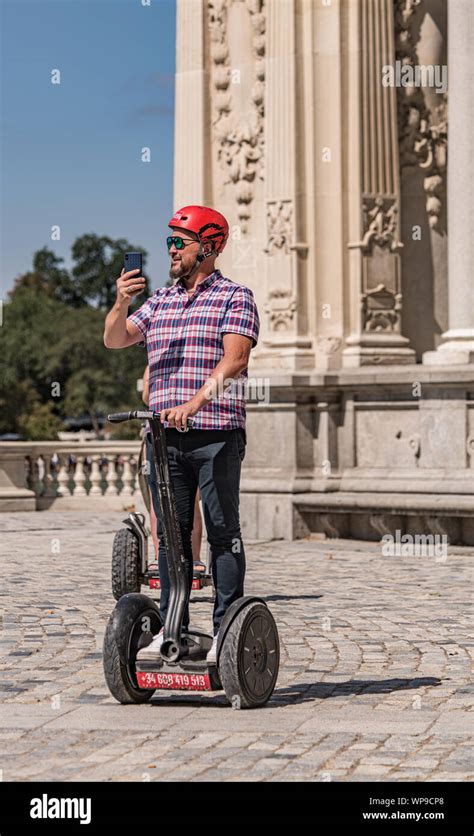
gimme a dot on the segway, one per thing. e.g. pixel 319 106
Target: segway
pixel 130 566
pixel 248 650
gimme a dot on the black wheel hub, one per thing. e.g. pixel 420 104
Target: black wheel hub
pixel 258 654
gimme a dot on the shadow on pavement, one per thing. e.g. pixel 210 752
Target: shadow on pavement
pixel 326 690
pixel 275 597
pixel 303 597
pixel 294 694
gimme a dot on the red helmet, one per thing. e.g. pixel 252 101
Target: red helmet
pixel 208 224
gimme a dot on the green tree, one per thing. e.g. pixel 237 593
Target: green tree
pixel 53 363
pixel 40 423
pixel 98 264
pixel 50 278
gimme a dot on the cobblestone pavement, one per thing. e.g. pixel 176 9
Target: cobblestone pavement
pixel 373 685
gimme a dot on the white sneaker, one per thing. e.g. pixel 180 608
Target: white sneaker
pixel 151 652
pixel 211 657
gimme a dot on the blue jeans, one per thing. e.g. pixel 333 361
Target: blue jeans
pixel 210 460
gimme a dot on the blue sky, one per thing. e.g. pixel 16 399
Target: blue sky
pixel 70 153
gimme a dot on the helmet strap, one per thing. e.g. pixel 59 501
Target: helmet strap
pixel 200 257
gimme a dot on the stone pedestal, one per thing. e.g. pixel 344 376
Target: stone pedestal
pixel 14 494
pixel 361 452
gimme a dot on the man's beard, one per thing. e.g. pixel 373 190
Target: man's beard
pixel 178 270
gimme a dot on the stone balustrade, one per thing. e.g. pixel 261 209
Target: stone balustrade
pixel 68 475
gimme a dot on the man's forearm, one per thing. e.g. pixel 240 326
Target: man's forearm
pixel 115 331
pixel 227 368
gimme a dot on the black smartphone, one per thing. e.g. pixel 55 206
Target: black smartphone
pixel 133 261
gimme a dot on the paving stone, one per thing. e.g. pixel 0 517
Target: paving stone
pixel 385 694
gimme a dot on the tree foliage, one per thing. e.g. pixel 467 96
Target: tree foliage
pixel 53 363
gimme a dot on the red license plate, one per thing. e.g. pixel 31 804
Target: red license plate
pixel 155 583
pixel 174 681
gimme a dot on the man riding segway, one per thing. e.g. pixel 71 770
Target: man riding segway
pixel 198 335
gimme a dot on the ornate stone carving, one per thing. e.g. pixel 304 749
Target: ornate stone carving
pixel 410 100
pixel 470 447
pixel 279 226
pixel 431 148
pixel 404 11
pixel 380 310
pixel 328 345
pixel 240 137
pixel 380 225
pixel 376 335
pixel 280 308
pixel 282 304
pixel 422 132
pixel 380 304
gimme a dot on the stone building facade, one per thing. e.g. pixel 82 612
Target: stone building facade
pixel 355 236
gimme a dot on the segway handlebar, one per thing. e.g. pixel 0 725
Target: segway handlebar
pixel 142 415
pixel 118 417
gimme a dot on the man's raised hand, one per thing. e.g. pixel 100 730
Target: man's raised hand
pixel 129 285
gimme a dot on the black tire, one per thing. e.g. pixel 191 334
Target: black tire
pixel 124 635
pixel 125 564
pixel 250 657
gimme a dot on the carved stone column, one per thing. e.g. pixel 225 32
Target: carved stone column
pixel 235 40
pixel 421 41
pixel 192 133
pixel 458 342
pixel 374 204
pixel 284 343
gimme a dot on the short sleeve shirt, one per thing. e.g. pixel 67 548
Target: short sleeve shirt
pixel 184 340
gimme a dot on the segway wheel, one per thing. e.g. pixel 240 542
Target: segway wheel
pixel 132 625
pixel 125 564
pixel 249 658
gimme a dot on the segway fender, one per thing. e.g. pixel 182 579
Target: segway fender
pixel 231 613
pixel 136 523
pixel 127 610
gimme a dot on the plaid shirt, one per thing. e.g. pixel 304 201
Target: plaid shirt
pixel 183 337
